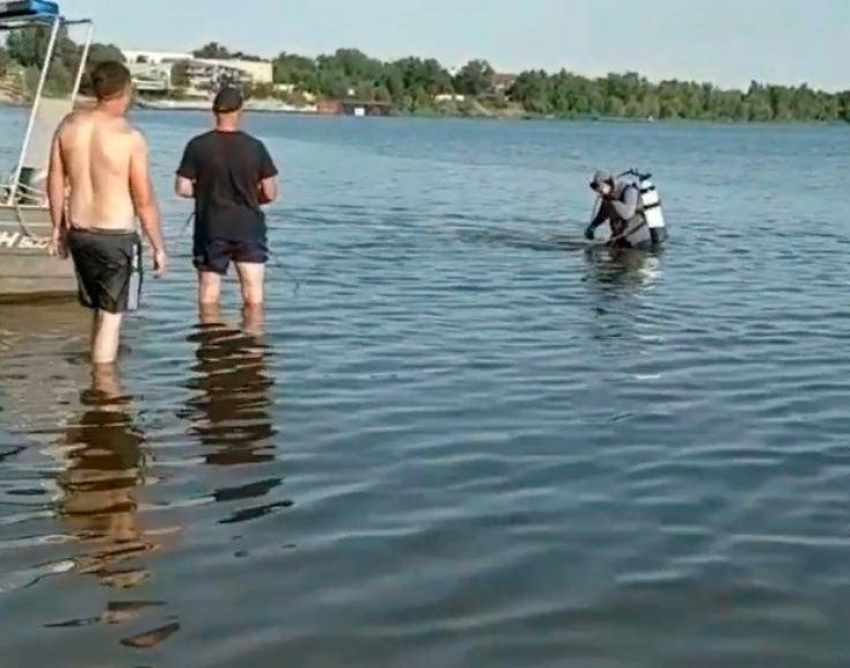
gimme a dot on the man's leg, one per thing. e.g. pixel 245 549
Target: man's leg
pixel 210 313
pixel 105 337
pixel 252 278
pixel 253 320
pixel 95 326
pixel 107 385
pixel 209 288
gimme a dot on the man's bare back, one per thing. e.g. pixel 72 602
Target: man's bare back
pixel 98 184
pixel 98 152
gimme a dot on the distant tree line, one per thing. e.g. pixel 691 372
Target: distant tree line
pixel 411 84
pixel 417 85
pixel 632 96
pixel 216 51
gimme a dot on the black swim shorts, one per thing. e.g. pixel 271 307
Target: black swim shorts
pixel 215 255
pixel 109 268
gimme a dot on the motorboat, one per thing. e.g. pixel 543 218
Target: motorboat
pixel 26 269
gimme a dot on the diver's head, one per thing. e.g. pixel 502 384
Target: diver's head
pixel 603 183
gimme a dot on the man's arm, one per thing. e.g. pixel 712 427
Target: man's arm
pixel 56 197
pixel 268 177
pixel 184 187
pixel 627 208
pixel 187 173
pixel 601 216
pixel 268 190
pixel 144 200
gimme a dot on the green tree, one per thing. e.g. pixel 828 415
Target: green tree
pixel 475 78
pixel 28 47
pixel 844 106
pixel 213 51
pixel 101 53
pixel 240 55
pixel 758 101
pixel 293 69
pixel 393 81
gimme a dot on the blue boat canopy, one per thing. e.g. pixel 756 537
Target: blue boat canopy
pixel 15 10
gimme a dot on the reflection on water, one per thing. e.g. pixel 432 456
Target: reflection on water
pixel 618 282
pixel 505 451
pixel 622 268
pixel 105 467
pixel 229 411
pixel 43 363
pixel 93 462
pixel 117 612
pixel 520 239
pixel 230 407
pixel 105 458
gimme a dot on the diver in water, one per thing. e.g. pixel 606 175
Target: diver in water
pixel 622 207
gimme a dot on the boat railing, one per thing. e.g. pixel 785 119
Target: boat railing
pixel 17 190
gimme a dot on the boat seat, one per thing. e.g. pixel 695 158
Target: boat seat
pixel 31 188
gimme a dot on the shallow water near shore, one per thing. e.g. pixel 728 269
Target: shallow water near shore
pixel 458 436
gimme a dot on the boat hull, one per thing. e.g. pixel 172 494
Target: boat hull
pixel 26 268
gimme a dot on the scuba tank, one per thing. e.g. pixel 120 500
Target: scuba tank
pixel 650 205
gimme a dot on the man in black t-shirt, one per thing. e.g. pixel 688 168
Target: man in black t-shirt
pixel 230 175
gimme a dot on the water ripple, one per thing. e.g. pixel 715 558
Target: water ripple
pixel 459 436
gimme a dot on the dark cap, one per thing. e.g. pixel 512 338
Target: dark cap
pixel 599 178
pixel 227 101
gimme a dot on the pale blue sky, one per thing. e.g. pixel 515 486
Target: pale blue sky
pixel 724 41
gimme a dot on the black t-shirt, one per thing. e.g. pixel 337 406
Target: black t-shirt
pixel 227 168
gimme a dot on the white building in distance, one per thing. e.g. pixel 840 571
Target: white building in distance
pixel 153 71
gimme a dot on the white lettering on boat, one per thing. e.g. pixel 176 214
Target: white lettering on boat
pixel 9 239
pixel 23 241
pixel 33 243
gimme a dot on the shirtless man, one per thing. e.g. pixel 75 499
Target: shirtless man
pixel 98 184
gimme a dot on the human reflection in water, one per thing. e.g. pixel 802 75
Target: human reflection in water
pixel 105 469
pixel 622 270
pixel 230 410
pixel 616 281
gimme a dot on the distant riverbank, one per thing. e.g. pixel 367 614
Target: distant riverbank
pixel 469 109
pixel 472 110
pixel 261 105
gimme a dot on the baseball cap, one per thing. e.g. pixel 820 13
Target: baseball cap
pixel 227 101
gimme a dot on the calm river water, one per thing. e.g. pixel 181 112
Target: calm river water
pixel 460 438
